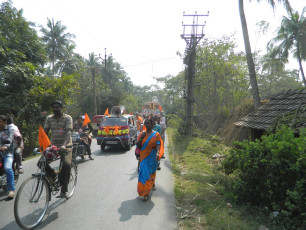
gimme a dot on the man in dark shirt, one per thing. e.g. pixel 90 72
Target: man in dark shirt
pixel 60 125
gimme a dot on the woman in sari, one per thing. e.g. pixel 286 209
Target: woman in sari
pixel 150 153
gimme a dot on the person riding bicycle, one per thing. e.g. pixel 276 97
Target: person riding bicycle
pixel 18 143
pixel 60 125
pixel 87 130
pixel 7 154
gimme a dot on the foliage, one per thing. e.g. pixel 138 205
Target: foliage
pixel 271 173
pixel 221 75
pixel 291 37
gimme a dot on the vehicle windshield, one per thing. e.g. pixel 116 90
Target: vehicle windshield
pixel 112 121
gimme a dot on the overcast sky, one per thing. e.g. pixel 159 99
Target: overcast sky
pixel 144 36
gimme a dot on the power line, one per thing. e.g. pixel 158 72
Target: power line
pixel 149 62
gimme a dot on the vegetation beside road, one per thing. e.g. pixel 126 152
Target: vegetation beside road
pixel 204 195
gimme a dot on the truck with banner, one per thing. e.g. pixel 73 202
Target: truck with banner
pixel 152 107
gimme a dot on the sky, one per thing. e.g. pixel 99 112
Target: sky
pixel 145 36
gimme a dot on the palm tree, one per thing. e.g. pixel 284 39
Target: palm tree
pixel 92 65
pixel 291 37
pixel 251 66
pixel 55 39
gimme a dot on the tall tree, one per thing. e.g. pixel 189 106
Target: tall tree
pixel 56 40
pixel 92 65
pixel 291 37
pixel 250 61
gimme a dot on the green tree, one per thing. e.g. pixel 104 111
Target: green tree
pixel 251 66
pixel 56 40
pixel 291 37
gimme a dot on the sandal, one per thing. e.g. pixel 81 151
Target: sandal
pixel 146 197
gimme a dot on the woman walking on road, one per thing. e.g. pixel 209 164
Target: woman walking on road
pixel 151 151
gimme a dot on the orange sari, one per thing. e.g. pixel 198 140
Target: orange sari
pixel 148 162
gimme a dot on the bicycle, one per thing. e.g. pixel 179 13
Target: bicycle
pixel 33 196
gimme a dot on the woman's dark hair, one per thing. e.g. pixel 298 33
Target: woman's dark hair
pixel 10 120
pixel 3 118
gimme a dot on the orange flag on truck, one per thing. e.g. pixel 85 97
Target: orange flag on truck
pixel 116 130
pixel 106 129
pixel 43 139
pixel 86 120
pixel 106 112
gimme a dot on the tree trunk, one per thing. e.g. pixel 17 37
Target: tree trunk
pixel 251 66
pixel 300 64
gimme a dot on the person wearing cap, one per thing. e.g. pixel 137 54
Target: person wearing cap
pixel 60 125
pixel 87 129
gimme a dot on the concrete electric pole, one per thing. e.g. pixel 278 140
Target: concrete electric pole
pixel 192 34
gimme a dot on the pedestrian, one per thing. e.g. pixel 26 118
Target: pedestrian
pixel 150 153
pixel 60 125
pixel 6 150
pixel 139 123
pixel 163 131
pixel 158 129
pixel 18 143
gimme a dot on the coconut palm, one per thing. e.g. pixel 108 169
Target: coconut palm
pixel 251 66
pixel 55 39
pixel 92 64
pixel 291 37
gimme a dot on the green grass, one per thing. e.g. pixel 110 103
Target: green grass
pixel 200 187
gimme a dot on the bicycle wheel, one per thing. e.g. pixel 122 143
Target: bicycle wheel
pixel 31 202
pixel 72 179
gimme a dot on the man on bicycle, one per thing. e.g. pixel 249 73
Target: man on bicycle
pixel 7 153
pixel 60 125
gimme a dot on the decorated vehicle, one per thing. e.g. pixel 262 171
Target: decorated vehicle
pixel 117 130
pixel 152 107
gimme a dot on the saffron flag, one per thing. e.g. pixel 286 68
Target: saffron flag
pixel 106 129
pixel 160 108
pixel 106 112
pixel 116 131
pixel 43 139
pixel 86 120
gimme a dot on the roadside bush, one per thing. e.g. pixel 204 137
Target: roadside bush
pixel 271 173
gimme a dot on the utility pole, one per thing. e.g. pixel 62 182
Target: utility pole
pixel 105 62
pixel 192 34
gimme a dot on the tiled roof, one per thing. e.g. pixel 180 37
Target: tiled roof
pixel 264 116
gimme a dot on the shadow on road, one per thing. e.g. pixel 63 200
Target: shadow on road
pixel 48 219
pixel 135 207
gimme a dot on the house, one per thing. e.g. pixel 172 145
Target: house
pixel 265 116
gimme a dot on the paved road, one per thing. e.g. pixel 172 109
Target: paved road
pixel 105 197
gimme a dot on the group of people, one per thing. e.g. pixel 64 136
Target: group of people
pixel 60 124
pixel 150 132
pixel 151 136
pixel 11 147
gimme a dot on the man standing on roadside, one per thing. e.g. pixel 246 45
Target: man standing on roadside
pixel 60 125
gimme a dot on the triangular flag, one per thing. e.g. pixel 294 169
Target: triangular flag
pixel 160 108
pixel 116 131
pixel 106 129
pixel 43 139
pixel 131 113
pixel 86 120
pixel 106 112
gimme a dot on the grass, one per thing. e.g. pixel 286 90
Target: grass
pixel 200 187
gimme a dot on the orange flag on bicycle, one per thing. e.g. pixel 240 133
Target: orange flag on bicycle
pixel 43 139
pixel 106 112
pixel 86 120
